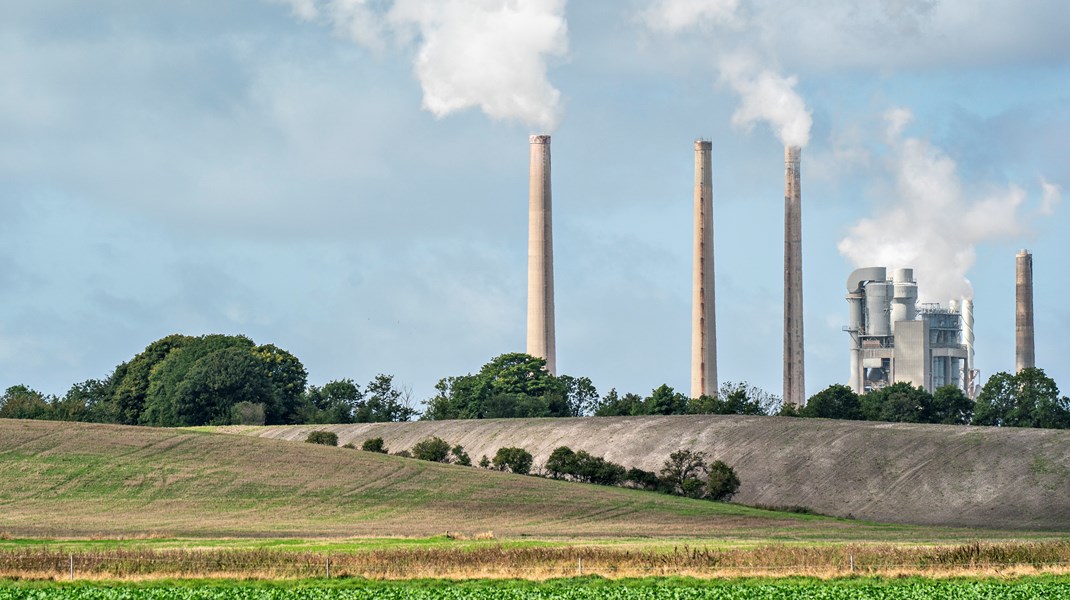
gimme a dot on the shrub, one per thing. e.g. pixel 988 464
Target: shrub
pixel 403 454
pixel 349 445
pixel 644 480
pixel 434 449
pixel 721 482
pixel 683 473
pixel 484 462
pixel 327 438
pixel 562 462
pixel 516 460
pixel 459 456
pixel 374 445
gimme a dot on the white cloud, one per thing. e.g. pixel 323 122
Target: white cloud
pixel 932 224
pixel 672 16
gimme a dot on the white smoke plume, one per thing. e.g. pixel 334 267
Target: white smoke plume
pixel 767 96
pixel 933 225
pixel 486 54
pixel 1051 199
pixel 764 94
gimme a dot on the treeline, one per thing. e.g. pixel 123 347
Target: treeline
pixel 685 473
pixel 1028 398
pixel 220 380
pixel 212 380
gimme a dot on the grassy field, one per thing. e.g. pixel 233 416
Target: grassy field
pixel 60 480
pixel 140 502
pixel 946 475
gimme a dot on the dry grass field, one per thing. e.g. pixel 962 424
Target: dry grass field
pixel 1003 478
pixel 65 480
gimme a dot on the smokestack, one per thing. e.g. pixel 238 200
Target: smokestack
pixel 794 386
pixel 541 341
pixel 1023 314
pixel 703 308
pixel 969 378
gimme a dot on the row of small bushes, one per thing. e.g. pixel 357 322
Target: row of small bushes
pixel 684 473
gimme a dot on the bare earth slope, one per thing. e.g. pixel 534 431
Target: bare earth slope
pixel 990 477
pixel 84 480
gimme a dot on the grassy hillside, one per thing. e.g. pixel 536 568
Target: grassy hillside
pixel 891 472
pixel 79 480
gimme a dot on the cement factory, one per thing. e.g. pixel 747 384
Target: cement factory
pixel 893 338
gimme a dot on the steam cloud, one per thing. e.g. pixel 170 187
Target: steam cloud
pixel 490 54
pixel 764 94
pixel 935 226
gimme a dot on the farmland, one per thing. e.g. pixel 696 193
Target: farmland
pixel 570 589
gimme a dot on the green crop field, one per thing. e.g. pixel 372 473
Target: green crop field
pixel 582 589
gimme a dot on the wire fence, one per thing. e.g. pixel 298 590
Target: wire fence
pixel 536 563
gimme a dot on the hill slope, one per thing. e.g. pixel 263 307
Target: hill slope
pixel 890 472
pixel 80 480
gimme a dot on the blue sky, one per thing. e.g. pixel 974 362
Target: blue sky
pixel 347 179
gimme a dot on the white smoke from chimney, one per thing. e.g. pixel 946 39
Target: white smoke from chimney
pixel 764 94
pixel 486 54
pixel 933 225
pixel 1052 197
pixel 767 96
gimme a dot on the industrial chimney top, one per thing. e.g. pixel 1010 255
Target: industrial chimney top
pixel 539 139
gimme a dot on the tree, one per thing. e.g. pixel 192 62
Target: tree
pixel 613 405
pixel 247 413
pixel 459 457
pixel 950 406
pixel 837 401
pixel 21 402
pixel 721 481
pixel 130 380
pixel 287 379
pixel 384 403
pixel 899 402
pixel 336 402
pixel 85 401
pixel 562 462
pixel 510 385
pixel 433 449
pixel 1028 398
pixel 514 460
pixel 666 401
pixel 684 473
pixel 733 399
pixel 581 397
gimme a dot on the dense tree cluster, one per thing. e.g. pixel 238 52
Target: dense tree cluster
pixel 211 380
pixel 511 385
pixel 1026 399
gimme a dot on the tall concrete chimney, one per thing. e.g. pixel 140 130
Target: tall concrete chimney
pixel 703 308
pixel 541 341
pixel 970 376
pixel 794 386
pixel 1023 314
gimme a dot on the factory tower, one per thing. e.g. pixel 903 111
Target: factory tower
pixel 794 386
pixel 541 341
pixel 1025 358
pixel 703 308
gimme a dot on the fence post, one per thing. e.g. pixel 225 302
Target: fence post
pixel 852 562
pixel 328 567
pixel 72 566
pixel 581 566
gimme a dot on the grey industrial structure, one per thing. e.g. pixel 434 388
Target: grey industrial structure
pixel 541 340
pixel 1024 356
pixel 703 305
pixel 894 339
pixel 794 385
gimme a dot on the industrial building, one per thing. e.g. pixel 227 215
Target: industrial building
pixel 894 339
